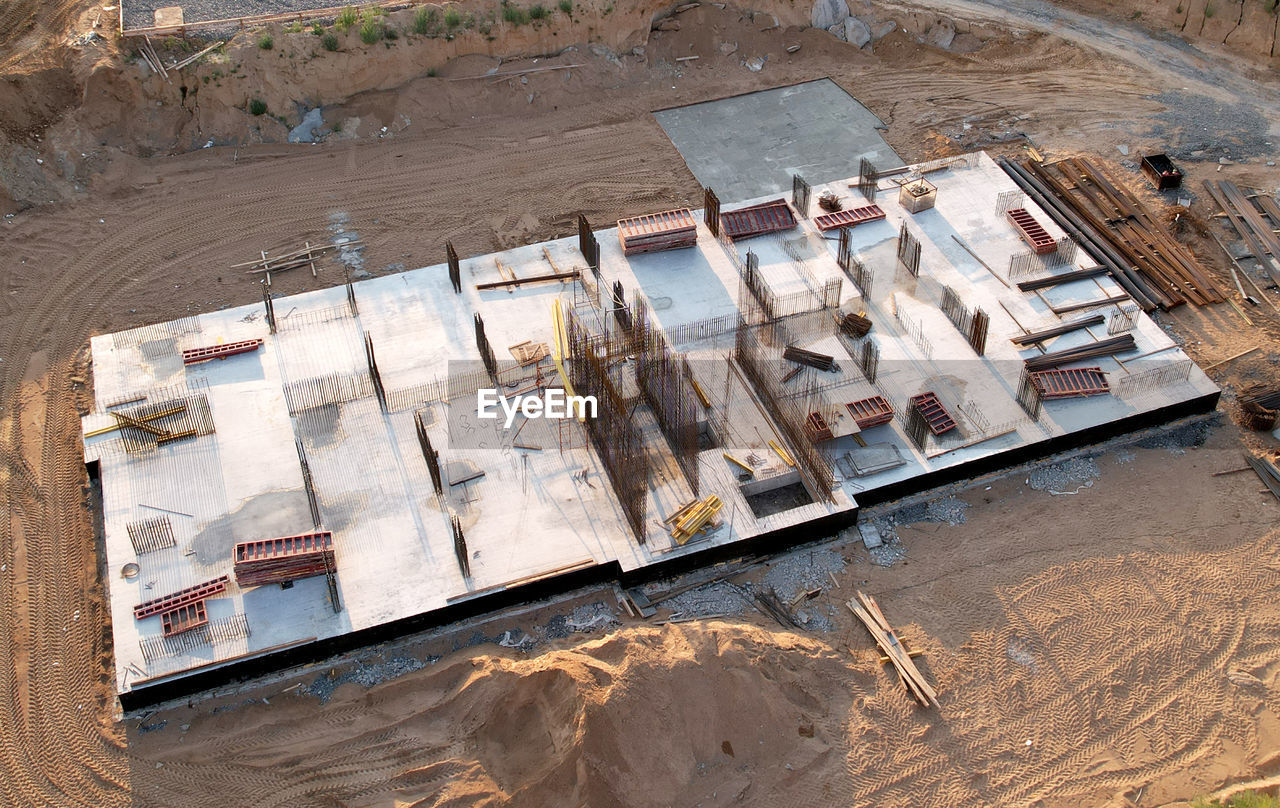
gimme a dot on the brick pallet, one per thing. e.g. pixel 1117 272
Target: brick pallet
pixel 1070 383
pixel 934 413
pixel 767 217
pixel 182 597
pixel 184 618
pixel 849 218
pixel 283 559
pixel 869 412
pixel 190 356
pixel 655 232
pixel 1031 231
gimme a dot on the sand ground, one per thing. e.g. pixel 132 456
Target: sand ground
pixel 1117 646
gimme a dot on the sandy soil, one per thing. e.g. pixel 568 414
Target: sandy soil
pixel 1109 628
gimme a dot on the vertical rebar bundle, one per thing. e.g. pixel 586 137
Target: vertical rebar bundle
pixel 271 309
pixel 351 294
pixel 800 194
pixel 460 545
pixel 374 374
pixel 486 350
pixel 909 251
pixel 429 453
pixel 711 211
pixel 868 176
pixel 869 360
pixel 307 484
pixel 1029 395
pixel 587 243
pixel 455 269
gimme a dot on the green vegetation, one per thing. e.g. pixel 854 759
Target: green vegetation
pixel 566 6
pixel 452 17
pixel 1245 799
pixel 294 27
pixel 391 34
pixel 514 14
pixel 317 29
pixel 329 42
pixel 257 106
pixel 425 21
pixel 1209 11
pixel 1271 5
pixel 537 11
pixel 371 31
pixel 266 42
pixel 431 73
pixel 347 19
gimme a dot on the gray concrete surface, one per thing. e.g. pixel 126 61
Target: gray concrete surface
pixel 749 145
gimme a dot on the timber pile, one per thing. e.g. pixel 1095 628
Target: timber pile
pixel 288 558
pixel 811 358
pixel 290 260
pixel 654 232
pixel 1173 273
pixel 1092 350
pixel 694 517
pixel 868 611
pixel 855 325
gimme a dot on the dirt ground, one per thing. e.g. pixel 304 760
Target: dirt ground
pixel 1119 646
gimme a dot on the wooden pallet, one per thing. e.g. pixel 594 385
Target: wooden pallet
pixel 654 232
pixel 283 559
pixel 849 218
pixel 190 356
pixel 767 217
pixel 1070 382
pixel 1031 231
pixel 934 413
pixel 182 597
pixel 184 618
pixel 869 412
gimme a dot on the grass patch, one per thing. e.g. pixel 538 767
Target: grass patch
pixel 294 27
pixel 1245 799
pixel 452 17
pixel 371 31
pixel 1271 5
pixel 257 107
pixel 317 29
pixel 566 6
pixel 266 42
pixel 514 14
pixel 537 11
pixel 1209 11
pixel 329 42
pixel 431 73
pixel 425 21
pixel 347 19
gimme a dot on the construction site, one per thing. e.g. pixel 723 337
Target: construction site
pixel 579 402
pixel 290 478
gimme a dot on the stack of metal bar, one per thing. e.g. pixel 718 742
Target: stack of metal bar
pixel 1258 234
pixel 284 559
pixel 1172 273
pixel 810 358
pixel 655 232
pixel 1090 350
pixel 1259 405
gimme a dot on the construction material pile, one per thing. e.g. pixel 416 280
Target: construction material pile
pixel 284 559
pixel 1259 404
pixel 813 359
pixel 655 232
pixel 1172 273
pixel 768 217
pixel 1090 350
pixel 1031 231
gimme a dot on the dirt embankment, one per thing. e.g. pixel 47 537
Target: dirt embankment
pixel 1248 27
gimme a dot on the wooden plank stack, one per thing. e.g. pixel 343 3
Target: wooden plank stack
pixel 283 559
pixel 767 217
pixel 654 232
pixel 694 517
pixel 1070 383
pixel 868 611
pixel 849 218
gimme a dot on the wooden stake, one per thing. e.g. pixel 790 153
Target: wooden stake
pixel 311 261
pixel 1221 362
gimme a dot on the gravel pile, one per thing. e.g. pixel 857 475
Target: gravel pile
pixel 142 13
pixel 889 553
pixel 705 601
pixel 804 571
pixel 1068 476
pixel 365 674
pixel 1177 440
pixel 1197 127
